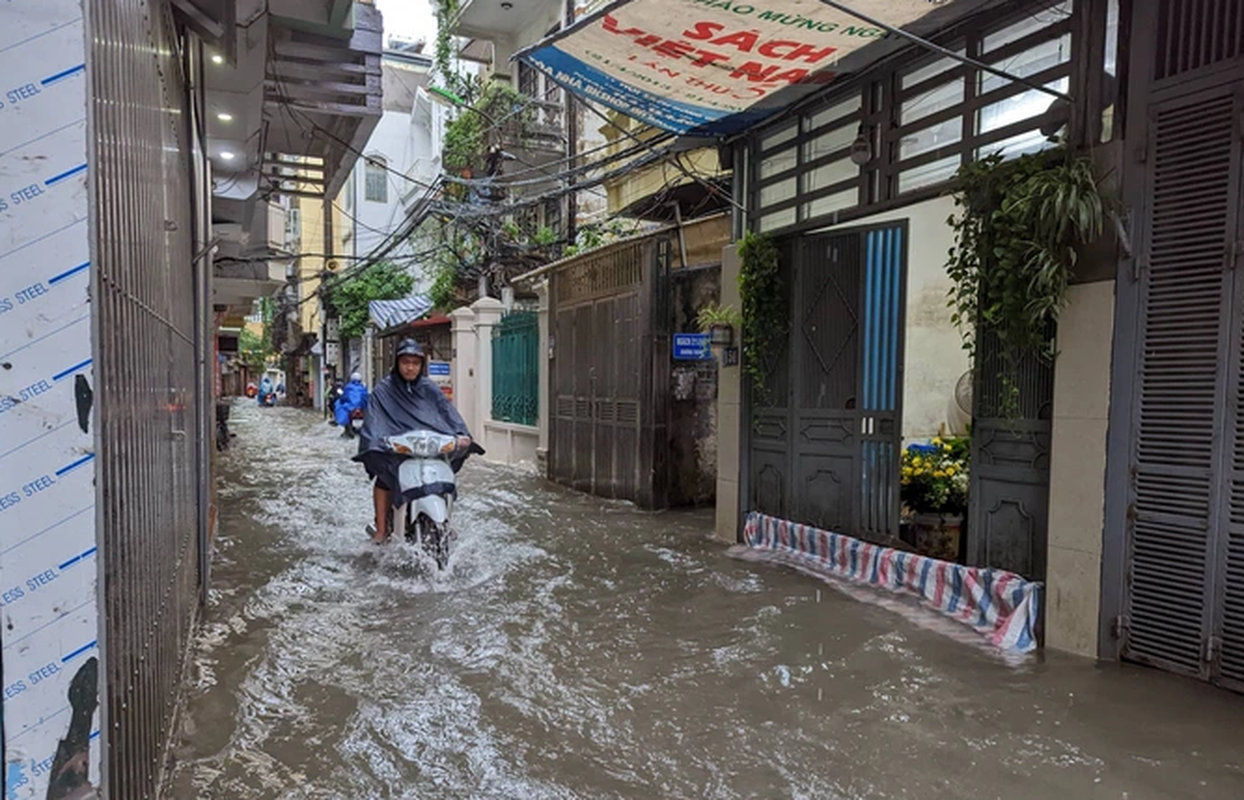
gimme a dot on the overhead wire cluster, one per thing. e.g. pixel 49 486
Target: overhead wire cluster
pixel 585 171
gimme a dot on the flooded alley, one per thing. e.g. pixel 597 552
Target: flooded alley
pixel 578 648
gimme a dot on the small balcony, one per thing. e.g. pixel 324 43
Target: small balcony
pixel 508 22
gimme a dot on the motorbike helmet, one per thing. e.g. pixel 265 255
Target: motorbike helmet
pixel 356 377
pixel 409 347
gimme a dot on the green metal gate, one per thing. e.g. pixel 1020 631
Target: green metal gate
pixel 516 368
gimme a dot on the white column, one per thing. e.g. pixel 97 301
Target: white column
pixel 1078 469
pixel 462 368
pixel 544 419
pixel 729 412
pixel 488 311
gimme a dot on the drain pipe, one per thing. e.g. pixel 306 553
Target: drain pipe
pixel 682 237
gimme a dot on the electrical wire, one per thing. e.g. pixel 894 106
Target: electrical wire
pixel 453 215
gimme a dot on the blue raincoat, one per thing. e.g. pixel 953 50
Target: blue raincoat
pixel 265 389
pixel 353 395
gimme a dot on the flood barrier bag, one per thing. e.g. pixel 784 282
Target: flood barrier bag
pixel 1000 605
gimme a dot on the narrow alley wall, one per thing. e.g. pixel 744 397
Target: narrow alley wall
pixel 47 447
pixel 693 390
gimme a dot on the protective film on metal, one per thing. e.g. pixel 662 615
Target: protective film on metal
pixel 716 67
pixel 147 308
pixel 48 558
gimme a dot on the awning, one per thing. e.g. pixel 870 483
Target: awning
pixel 386 314
pixel 717 67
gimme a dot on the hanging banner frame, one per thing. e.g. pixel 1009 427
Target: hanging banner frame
pixel 718 67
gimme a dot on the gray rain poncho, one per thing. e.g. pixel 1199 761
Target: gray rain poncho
pixel 397 406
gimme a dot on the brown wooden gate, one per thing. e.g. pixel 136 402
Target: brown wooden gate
pixel 609 373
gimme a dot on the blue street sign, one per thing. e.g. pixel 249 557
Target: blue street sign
pixel 691 347
pixel 438 369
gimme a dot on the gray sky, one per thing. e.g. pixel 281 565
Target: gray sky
pixel 409 19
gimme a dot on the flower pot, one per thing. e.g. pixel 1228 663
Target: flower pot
pixel 938 535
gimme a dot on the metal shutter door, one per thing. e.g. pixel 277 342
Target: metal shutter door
pixel 1186 301
pixel 1229 624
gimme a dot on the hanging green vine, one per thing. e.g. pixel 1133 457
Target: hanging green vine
pixel 1018 230
pixel 446 19
pixel 764 313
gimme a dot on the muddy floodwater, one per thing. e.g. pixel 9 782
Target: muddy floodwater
pixel 579 648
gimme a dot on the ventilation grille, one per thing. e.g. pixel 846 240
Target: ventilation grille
pixel 1197 33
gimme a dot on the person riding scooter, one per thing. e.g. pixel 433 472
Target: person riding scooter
pixel 331 395
pixel 407 399
pixel 351 405
pixel 267 397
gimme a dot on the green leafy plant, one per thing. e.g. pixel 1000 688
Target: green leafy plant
pixel 252 349
pixel 1018 228
pixel 383 281
pixel 446 19
pixel 545 236
pixel 444 289
pixel 934 478
pixel 497 103
pixel 764 314
pixel 715 314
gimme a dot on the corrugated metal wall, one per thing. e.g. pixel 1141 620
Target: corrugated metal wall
pixel 146 360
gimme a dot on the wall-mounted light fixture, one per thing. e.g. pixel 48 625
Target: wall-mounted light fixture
pixel 861 148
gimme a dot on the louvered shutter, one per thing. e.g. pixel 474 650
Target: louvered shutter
pixel 1229 626
pixel 1183 365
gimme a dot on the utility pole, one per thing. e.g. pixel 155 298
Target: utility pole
pixel 572 136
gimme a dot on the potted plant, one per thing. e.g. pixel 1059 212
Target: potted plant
pixel 719 323
pixel 935 495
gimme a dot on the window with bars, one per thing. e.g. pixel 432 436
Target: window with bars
pixel 528 80
pixel 920 120
pixel 376 180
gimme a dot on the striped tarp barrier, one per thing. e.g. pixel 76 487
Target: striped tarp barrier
pixel 998 604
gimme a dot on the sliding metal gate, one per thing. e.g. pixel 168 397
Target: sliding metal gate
pixel 1182 588
pixel 825 433
pixel 147 307
pixel 610 373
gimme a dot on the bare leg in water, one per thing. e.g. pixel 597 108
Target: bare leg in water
pixel 380 499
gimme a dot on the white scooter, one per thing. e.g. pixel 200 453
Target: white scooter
pixel 427 473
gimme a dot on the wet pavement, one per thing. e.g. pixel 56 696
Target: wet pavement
pixel 578 648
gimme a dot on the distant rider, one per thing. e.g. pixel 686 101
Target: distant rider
pixel 407 399
pixel 265 389
pixel 353 395
pixel 331 395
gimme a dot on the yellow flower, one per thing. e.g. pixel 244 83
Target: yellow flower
pixel 936 440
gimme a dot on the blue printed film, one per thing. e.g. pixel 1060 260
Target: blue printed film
pixel 48 550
